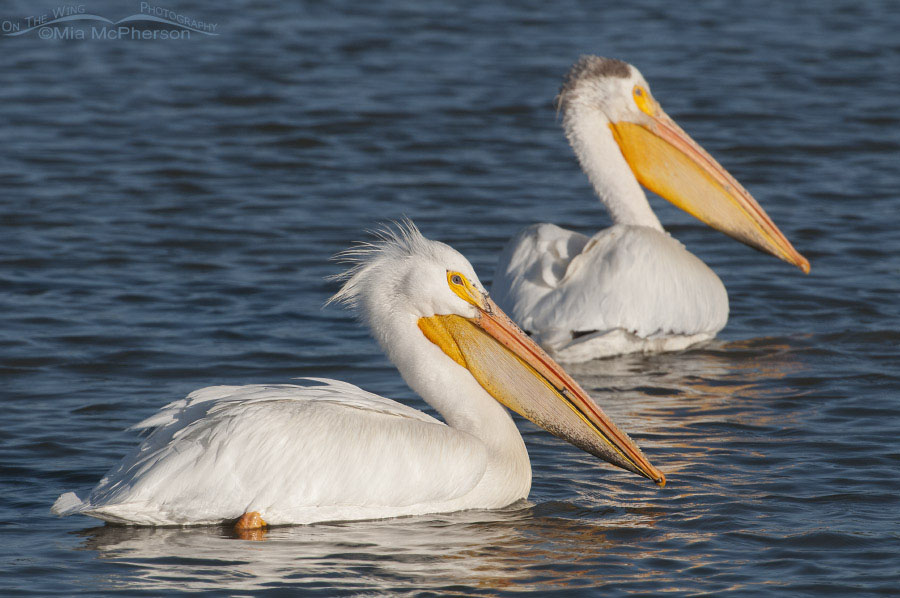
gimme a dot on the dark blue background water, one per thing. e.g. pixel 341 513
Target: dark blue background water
pixel 169 208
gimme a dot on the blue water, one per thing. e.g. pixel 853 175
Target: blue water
pixel 168 213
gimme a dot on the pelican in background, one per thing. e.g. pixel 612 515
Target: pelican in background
pixel 630 287
pixel 289 454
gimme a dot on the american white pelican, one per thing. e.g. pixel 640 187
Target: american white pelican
pixel 282 454
pixel 630 287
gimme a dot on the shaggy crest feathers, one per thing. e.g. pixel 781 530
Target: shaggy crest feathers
pixel 394 241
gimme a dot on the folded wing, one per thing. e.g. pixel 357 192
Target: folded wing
pixel 283 450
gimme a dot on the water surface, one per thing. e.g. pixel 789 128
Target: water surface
pixel 169 208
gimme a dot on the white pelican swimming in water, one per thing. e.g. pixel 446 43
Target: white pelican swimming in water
pixel 630 287
pixel 282 454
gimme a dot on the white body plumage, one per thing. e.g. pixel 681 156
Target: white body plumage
pixel 339 452
pixel 624 290
pixel 331 451
pixel 631 287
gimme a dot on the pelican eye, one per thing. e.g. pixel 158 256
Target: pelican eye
pixel 643 100
pixel 460 285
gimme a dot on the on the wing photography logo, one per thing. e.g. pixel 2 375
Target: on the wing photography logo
pixel 73 21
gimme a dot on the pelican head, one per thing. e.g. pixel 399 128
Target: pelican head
pixel 661 156
pixel 417 295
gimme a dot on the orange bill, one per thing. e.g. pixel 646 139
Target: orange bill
pixel 519 374
pixel 668 162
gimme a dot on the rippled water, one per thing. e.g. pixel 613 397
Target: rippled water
pixel 169 208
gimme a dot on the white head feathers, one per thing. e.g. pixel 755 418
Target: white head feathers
pixel 401 271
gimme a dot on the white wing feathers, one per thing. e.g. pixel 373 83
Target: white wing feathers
pixel 195 404
pixel 560 284
pixel 283 450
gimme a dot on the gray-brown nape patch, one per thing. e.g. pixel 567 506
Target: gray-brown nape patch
pixel 594 67
pixel 591 67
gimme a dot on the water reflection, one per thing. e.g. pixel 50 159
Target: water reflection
pixel 554 545
pixel 682 406
pixel 642 388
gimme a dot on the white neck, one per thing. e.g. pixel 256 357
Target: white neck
pixel 587 130
pixel 449 388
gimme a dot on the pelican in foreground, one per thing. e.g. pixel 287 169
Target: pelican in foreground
pixel 630 287
pixel 288 454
